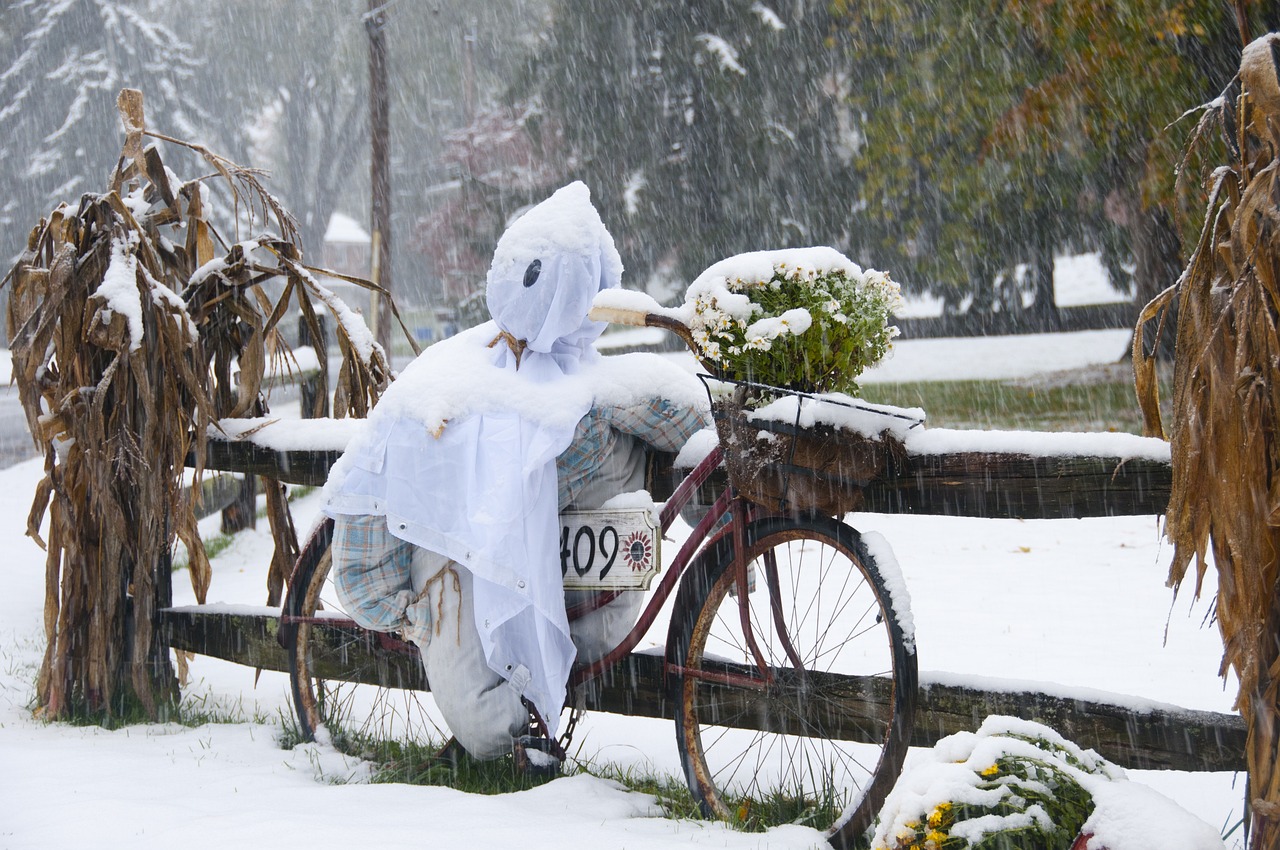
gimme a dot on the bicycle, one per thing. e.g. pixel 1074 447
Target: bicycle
pixel 795 693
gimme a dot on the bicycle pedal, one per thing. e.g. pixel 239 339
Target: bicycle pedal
pixel 534 758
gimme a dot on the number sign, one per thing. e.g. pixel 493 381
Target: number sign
pixel 608 549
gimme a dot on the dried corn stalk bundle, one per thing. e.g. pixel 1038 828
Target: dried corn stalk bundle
pixel 1225 429
pixel 238 321
pixel 130 338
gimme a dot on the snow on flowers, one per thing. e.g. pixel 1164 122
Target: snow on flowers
pixel 803 318
pixel 1017 783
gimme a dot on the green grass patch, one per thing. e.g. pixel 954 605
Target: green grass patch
pixel 416 764
pixel 189 711
pixel 204 709
pixel 1018 405
pixel 213 546
pixel 671 793
pixel 413 763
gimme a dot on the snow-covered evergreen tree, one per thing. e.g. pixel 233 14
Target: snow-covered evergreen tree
pixel 704 129
pixel 59 131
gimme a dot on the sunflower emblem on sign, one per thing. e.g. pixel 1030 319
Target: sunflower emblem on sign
pixel 638 551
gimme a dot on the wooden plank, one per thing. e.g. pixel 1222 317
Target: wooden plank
pixel 292 467
pixel 1159 738
pixel 1140 739
pixel 995 486
pixel 999 486
pixel 216 492
pixel 1155 739
pixel 248 639
pixel 1012 486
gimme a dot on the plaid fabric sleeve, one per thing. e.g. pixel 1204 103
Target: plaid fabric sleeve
pixel 371 570
pixel 590 441
pixel 660 423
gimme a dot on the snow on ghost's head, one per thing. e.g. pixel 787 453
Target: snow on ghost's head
pixel 547 269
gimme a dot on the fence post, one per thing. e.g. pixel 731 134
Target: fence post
pixel 242 513
pixel 315 385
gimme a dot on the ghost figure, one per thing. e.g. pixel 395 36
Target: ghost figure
pixel 459 460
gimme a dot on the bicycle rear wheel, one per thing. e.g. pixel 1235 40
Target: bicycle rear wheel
pixel 368 690
pixel 820 739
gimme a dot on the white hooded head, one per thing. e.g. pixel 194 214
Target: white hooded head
pixel 546 271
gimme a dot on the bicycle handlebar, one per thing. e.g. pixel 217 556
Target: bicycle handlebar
pixel 645 319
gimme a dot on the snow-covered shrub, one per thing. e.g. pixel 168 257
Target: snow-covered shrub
pixel 1018 785
pixel 805 319
pixel 1013 784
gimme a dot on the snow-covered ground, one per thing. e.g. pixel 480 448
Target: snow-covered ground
pixel 1078 280
pixel 1072 603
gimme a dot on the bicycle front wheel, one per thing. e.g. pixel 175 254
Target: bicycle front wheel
pixel 819 735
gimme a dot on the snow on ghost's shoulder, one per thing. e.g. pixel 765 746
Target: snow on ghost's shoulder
pixel 625 380
pixel 457 378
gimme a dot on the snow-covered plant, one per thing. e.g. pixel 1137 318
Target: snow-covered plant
pixel 1012 784
pixel 806 319
pixel 1223 428
pixel 130 338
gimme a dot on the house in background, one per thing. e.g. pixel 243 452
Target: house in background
pixel 347 249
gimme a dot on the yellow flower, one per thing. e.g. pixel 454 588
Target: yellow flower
pixel 934 840
pixel 991 771
pixel 940 814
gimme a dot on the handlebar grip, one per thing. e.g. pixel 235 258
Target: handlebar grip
pixel 619 316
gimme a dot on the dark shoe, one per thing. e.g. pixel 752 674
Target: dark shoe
pixel 534 758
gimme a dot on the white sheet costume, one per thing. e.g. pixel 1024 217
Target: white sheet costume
pixel 459 457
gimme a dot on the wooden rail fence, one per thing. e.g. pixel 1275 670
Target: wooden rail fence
pixel 976 484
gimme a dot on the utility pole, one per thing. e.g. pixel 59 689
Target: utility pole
pixel 375 22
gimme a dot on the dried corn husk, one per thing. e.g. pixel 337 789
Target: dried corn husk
pixel 1225 426
pixel 134 327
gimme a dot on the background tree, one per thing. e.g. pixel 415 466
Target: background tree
pixel 704 129
pixel 461 143
pixel 938 206
pixel 1112 98
pixel 64 64
pixel 275 85
pixel 288 85
pixel 1024 129
pixel 498 173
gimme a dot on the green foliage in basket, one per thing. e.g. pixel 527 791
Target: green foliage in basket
pixel 804 319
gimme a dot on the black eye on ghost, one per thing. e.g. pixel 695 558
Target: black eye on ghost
pixel 531 273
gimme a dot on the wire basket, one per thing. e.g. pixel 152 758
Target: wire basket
pixel 788 467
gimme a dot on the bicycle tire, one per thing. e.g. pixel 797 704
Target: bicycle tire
pixel 367 690
pixel 856 679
